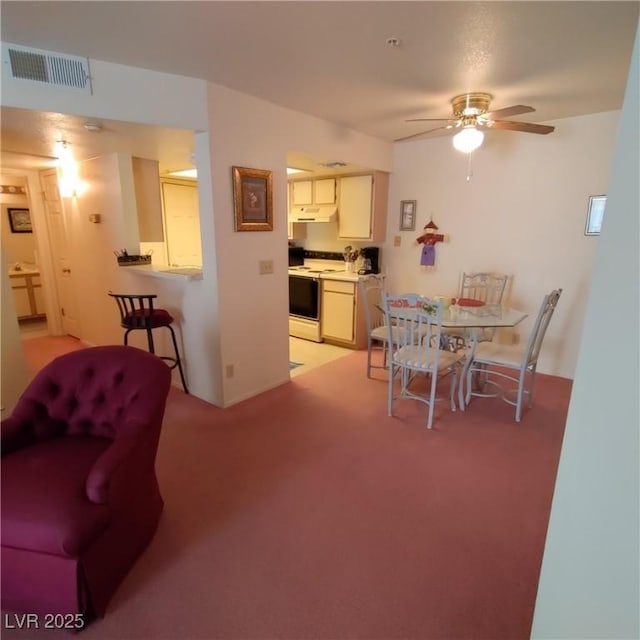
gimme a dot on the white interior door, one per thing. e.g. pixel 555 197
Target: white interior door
pixel 60 251
pixel 182 220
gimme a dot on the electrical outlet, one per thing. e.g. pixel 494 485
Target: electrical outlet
pixel 265 267
pixel 229 371
pixel 396 241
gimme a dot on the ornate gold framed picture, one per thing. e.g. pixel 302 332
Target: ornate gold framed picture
pixel 253 199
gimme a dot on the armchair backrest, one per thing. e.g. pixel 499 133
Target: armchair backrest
pixel 99 391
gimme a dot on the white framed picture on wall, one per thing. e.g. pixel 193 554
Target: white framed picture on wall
pixel 595 215
pixel 408 215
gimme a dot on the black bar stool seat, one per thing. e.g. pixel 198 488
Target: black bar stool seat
pixel 138 313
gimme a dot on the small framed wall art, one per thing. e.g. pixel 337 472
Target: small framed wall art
pixel 595 215
pixel 20 220
pixel 253 199
pixel 408 215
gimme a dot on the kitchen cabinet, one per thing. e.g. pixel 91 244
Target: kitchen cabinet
pixel 146 180
pixel 324 191
pixel 342 315
pixel 320 191
pixel 301 192
pixel 182 222
pixel 362 207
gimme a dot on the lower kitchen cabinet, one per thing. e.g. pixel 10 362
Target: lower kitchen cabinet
pixel 342 317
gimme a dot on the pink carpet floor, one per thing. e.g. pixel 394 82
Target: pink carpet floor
pixel 308 513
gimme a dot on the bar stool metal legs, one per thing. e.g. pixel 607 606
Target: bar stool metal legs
pixel 138 313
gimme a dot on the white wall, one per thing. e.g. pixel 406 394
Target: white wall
pixel 14 374
pixel 253 312
pixel 18 247
pixel 589 586
pixel 522 213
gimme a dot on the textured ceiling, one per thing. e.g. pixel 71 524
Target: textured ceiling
pixel 332 59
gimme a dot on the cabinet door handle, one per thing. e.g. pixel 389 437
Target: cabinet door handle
pixel 66 271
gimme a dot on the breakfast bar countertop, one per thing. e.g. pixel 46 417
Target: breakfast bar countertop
pixel 172 273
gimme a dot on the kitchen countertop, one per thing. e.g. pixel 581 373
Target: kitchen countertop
pixel 171 273
pixel 338 274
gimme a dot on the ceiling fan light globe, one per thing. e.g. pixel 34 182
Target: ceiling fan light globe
pixel 468 140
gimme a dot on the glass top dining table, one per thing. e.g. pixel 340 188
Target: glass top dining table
pixel 471 318
pixel 486 316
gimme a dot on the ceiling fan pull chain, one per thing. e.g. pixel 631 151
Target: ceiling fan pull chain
pixel 469 168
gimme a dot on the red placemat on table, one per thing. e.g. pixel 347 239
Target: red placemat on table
pixel 470 302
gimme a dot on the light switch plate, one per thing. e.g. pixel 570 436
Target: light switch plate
pixel 265 267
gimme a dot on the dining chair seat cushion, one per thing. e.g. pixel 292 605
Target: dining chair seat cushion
pixel 45 507
pixel 143 318
pixel 418 358
pixel 507 354
pixel 382 333
pixel 470 302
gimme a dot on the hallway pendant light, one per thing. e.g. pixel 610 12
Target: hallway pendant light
pixel 68 180
pixel 468 140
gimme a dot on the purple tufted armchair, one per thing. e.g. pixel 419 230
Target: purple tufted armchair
pixel 80 498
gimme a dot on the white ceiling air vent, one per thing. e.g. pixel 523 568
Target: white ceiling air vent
pixel 46 67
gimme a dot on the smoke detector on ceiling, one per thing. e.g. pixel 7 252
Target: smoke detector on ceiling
pixel 333 165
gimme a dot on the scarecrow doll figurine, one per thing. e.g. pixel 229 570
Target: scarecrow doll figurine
pixel 428 239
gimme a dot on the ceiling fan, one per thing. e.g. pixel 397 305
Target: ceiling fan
pixel 471 114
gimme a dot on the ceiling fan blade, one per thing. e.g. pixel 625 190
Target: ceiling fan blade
pixel 431 120
pixel 417 135
pixel 526 127
pixel 506 112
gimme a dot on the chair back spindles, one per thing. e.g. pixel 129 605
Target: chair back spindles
pixel 534 343
pixel 415 330
pixel 488 287
pixel 492 362
pixel 371 295
pixel 137 312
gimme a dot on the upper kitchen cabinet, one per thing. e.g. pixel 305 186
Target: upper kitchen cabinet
pixel 146 181
pixel 182 222
pixel 321 191
pixel 362 209
pixel 324 191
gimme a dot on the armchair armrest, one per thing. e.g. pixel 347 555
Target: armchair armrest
pixel 99 478
pixel 15 433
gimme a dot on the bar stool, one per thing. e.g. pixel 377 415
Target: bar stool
pixel 137 312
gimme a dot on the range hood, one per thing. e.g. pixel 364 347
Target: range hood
pixel 313 213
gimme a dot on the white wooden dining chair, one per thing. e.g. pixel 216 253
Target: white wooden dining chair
pixel 486 287
pixel 417 357
pixel 372 297
pixel 491 360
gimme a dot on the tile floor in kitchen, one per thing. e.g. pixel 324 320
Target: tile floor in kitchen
pixel 312 354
